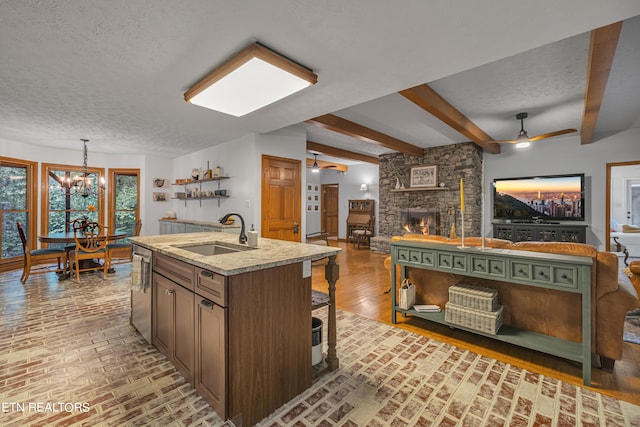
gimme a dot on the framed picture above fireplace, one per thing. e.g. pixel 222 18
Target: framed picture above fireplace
pixel 424 176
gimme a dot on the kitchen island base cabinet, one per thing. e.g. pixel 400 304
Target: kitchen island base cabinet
pixel 245 339
pixel 254 355
pixel 211 355
pixel 173 320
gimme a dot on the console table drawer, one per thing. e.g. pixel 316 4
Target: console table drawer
pixel 451 261
pixel 490 267
pixel 550 275
pixel 565 277
pixel 520 270
pixel 428 258
pixel 410 255
pixel 416 256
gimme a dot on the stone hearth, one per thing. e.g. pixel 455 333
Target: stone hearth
pixel 443 201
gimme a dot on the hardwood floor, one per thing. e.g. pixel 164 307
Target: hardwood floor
pixel 360 289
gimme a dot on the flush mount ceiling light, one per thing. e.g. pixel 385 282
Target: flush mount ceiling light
pixel 255 77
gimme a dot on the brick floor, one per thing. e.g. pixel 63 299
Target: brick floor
pixel 68 356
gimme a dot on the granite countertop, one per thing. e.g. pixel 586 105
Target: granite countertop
pixel 214 224
pixel 269 253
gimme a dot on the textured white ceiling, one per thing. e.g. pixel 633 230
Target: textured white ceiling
pixel 115 72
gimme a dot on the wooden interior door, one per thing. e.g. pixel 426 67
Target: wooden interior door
pixel 281 199
pixel 330 209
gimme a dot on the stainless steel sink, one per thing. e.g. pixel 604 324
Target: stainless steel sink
pixel 213 248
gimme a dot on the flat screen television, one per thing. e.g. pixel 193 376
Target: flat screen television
pixel 539 198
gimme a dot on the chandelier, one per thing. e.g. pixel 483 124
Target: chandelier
pixel 82 184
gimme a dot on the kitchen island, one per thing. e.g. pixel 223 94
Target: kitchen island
pixel 236 321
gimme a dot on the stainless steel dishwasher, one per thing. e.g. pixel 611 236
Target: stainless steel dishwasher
pixel 141 291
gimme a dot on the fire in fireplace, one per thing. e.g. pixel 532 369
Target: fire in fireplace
pixel 420 221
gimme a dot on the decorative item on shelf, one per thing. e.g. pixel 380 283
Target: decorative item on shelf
pixel 195 173
pixel 217 172
pixel 451 211
pixel 397 174
pixel 207 173
pixel 424 176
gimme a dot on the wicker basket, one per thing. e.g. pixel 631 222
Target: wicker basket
pixel 478 320
pixel 472 296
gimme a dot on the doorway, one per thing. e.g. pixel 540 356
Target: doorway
pixel 329 220
pixel 281 198
pixel 623 196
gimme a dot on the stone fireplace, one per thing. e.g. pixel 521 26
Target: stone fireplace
pixel 420 221
pixel 438 206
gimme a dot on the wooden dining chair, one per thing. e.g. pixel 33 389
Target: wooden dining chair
pixel 35 256
pixel 91 245
pixel 123 250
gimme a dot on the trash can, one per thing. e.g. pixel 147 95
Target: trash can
pixel 316 341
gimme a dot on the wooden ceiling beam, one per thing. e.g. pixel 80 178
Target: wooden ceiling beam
pixel 430 101
pixel 602 49
pixel 363 133
pixel 340 153
pixel 328 165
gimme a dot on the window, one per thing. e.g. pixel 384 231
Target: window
pixel 63 205
pixel 17 203
pixel 124 199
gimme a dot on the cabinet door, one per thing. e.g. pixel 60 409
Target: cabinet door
pixel 211 354
pixel 183 352
pixel 162 314
pixel 165 227
pixel 178 227
pixel 192 228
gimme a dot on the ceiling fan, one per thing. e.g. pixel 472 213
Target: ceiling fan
pixel 523 140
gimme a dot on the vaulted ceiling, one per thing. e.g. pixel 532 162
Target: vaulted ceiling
pixel 391 76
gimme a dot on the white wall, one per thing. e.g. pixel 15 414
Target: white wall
pixel 561 156
pixel 349 188
pixel 150 211
pixel 313 218
pixel 241 160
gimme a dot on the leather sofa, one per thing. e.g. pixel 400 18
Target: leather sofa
pixel 546 311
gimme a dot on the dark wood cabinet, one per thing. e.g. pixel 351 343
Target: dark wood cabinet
pixel 540 232
pixel 211 354
pixel 173 313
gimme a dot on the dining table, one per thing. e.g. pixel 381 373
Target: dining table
pixel 68 237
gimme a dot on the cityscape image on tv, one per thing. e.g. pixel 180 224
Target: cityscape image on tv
pixel 558 197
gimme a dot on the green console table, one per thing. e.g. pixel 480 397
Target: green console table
pixel 567 273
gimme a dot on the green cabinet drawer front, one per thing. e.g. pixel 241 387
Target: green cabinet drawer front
pixel 541 273
pixel 415 256
pixel 428 258
pixel 565 277
pixel 488 266
pixel 403 254
pixel 520 270
pixel 445 261
pixel 459 262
